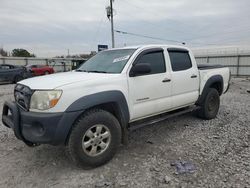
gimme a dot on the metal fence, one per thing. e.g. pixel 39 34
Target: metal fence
pixel 238 64
pixel 59 64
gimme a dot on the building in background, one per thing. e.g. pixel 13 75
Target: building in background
pixel 221 50
pixel 237 58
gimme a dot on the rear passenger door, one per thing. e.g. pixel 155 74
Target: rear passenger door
pixel 185 89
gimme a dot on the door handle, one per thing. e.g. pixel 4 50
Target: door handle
pixel 194 76
pixel 166 80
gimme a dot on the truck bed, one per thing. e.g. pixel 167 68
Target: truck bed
pixel 206 66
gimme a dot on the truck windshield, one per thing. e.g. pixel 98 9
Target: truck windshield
pixel 111 61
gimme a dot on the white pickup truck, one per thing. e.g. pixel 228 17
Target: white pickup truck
pixel 91 110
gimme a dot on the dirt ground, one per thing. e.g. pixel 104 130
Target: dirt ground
pixel 219 149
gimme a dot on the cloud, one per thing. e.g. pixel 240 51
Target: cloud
pixel 50 27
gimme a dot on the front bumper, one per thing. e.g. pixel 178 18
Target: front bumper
pixel 38 128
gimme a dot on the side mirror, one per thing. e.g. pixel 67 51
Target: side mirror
pixel 140 69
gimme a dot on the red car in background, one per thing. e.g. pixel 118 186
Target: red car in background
pixel 38 70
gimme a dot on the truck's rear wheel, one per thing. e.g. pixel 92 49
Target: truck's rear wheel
pixel 94 139
pixel 210 105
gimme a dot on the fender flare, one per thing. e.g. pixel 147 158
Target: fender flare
pixel 209 83
pixel 96 99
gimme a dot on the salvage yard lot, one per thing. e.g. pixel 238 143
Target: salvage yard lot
pixel 219 149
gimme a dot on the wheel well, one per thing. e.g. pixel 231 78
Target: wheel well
pixel 112 108
pixel 217 86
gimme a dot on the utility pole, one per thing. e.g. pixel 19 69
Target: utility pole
pixel 112 24
pixel 110 15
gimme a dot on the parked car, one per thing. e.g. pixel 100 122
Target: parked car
pixel 77 63
pixel 38 70
pixel 12 73
pixel 92 109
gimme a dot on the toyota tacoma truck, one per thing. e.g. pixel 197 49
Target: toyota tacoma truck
pixel 92 109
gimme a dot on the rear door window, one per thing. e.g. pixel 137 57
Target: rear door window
pixel 6 67
pixel 180 60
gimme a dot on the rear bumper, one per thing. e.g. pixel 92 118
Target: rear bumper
pixel 230 76
pixel 38 128
pixel 227 88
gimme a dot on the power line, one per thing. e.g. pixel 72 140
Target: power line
pixel 145 36
pixel 160 39
pixel 133 5
pixel 153 25
pixel 160 27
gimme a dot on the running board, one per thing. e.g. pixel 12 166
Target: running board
pixel 152 120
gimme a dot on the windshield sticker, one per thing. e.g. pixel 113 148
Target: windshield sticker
pixel 121 58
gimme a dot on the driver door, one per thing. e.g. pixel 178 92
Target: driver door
pixel 150 94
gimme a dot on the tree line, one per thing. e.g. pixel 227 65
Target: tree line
pixel 18 52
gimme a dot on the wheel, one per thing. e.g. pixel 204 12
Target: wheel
pixel 46 72
pixel 17 79
pixel 94 139
pixel 210 105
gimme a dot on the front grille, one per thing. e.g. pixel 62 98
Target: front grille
pixel 22 96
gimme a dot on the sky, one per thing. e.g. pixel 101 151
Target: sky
pixel 49 28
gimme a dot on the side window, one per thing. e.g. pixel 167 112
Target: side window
pixel 5 67
pixel 180 60
pixel 156 61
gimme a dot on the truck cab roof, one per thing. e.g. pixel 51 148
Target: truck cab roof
pixel 152 46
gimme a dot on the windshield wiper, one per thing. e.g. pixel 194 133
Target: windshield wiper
pixel 98 71
pixel 95 71
pixel 79 70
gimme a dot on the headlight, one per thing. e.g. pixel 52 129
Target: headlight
pixel 44 100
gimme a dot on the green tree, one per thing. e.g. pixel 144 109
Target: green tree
pixel 21 53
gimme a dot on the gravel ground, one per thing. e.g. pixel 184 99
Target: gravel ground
pixel 219 149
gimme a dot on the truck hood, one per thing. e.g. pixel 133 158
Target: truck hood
pixel 59 79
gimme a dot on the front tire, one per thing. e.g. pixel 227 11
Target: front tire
pixel 94 139
pixel 210 106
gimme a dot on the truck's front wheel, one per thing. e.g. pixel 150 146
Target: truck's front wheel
pixel 94 139
pixel 210 105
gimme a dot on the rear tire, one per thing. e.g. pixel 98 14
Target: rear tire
pixel 94 139
pixel 46 73
pixel 210 106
